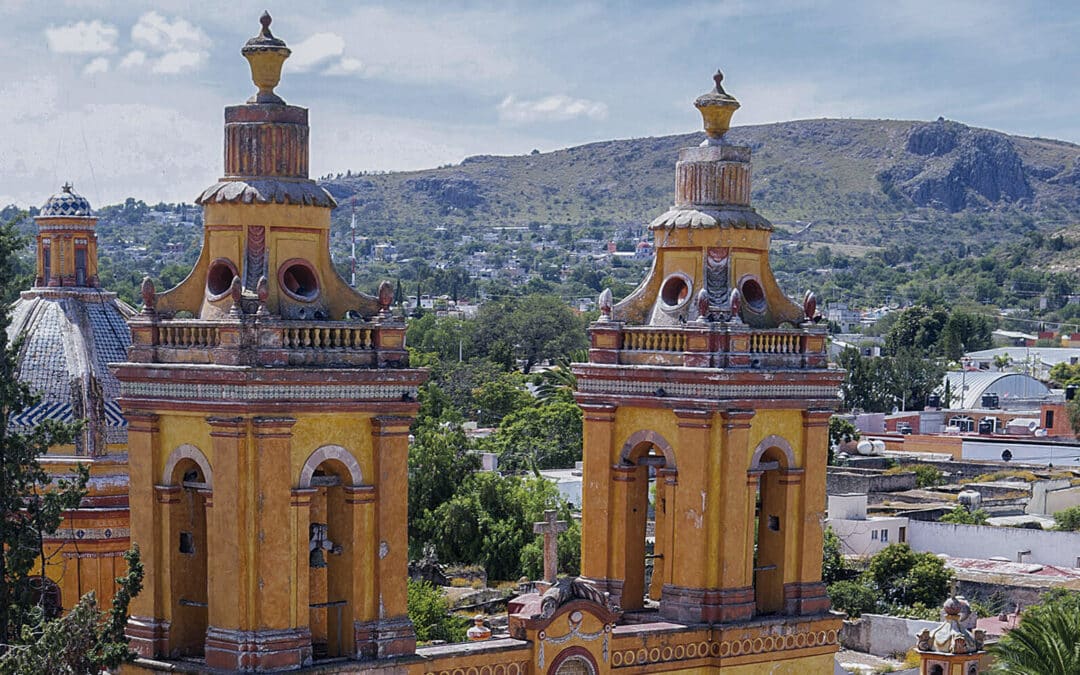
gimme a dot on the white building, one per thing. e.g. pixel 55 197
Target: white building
pixel 861 535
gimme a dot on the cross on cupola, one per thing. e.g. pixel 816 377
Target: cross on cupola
pixel 550 528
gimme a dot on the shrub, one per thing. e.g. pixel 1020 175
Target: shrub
pixel 1068 520
pixel 853 597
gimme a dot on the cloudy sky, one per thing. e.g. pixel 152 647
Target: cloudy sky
pixel 125 100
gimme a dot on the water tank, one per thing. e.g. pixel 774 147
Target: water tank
pixel 865 447
pixel 986 426
pixel 969 499
pixel 990 400
pixel 933 401
pixel 1070 392
pixel 879 446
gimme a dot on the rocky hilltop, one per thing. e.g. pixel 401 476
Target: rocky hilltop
pixel 874 181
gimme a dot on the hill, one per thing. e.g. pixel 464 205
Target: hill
pixel 871 182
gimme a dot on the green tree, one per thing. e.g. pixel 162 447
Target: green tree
pixel 961 516
pixel 927 476
pixel 904 577
pixel 1068 520
pixel 530 329
pixel 1046 642
pixel 83 641
pixel 559 382
pixel 964 331
pixel 833 567
pixel 543 437
pixel 1072 408
pixel 840 431
pixel 430 613
pixel 853 597
pixel 440 462
pixel 499 397
pixel 916 328
pixel 31 506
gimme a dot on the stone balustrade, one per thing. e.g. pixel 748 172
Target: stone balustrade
pixel 709 345
pixel 267 341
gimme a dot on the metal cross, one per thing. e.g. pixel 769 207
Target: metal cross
pixel 550 528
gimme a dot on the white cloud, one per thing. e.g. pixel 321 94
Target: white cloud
pixel 133 59
pixel 555 108
pixel 178 62
pixel 346 66
pixel 98 65
pixel 155 32
pixel 314 50
pixel 82 37
pixel 182 45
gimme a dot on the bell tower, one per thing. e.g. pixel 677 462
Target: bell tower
pixel 268 406
pixel 706 401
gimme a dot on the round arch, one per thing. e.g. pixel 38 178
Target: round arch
pixel 773 441
pixel 639 438
pixel 335 452
pixel 187 451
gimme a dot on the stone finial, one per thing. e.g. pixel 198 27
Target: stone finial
pixel 262 289
pixel 266 54
pixel 67 187
pixel 149 295
pixel 735 304
pixel 716 108
pixel 236 290
pixel 703 305
pixel 605 303
pixel 809 305
pixel 385 296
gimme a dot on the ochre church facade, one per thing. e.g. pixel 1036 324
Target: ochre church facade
pixel 268 406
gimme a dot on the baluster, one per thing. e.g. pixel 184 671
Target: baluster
pixel 306 335
pixel 326 341
pixel 336 342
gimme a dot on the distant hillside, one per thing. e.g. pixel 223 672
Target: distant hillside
pixel 872 182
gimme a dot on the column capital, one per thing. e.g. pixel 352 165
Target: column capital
pixel 142 420
pixel 301 496
pixel 390 425
pixel 273 427
pixel 227 427
pixel 817 417
pixel 598 412
pixel 693 418
pixel 737 419
pixel 167 494
pixel 359 494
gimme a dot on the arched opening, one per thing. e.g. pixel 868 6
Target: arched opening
pixel 772 461
pixel 329 555
pixel 574 661
pixel 649 469
pixel 187 555
pixel 219 278
pixel 299 280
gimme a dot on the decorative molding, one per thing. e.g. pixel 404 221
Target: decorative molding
pixel 333 452
pixel 643 436
pixel 626 387
pixel 773 441
pixel 723 649
pixel 187 451
pixel 276 392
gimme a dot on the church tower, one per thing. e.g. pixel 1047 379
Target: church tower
pixel 268 406
pixel 706 400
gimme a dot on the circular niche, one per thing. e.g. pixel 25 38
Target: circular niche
pixel 676 291
pixel 753 294
pixel 219 278
pixel 298 279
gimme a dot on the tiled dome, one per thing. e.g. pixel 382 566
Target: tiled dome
pixel 69 337
pixel 67 204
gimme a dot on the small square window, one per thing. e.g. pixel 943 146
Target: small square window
pixel 187 543
pixel 774 523
pixel 884 535
pixel 873 535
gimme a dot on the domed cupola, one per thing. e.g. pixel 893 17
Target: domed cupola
pixel 67 204
pixel 71 329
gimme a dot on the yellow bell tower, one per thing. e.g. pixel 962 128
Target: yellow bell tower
pixel 268 406
pixel 706 401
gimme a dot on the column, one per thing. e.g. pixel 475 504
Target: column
pixel 694 510
pixel 275 577
pixel 390 440
pixel 597 526
pixel 625 591
pixel 299 520
pixel 147 628
pixel 735 599
pixel 360 500
pixel 812 597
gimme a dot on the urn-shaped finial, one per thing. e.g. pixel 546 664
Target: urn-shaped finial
pixel 716 108
pixel 266 54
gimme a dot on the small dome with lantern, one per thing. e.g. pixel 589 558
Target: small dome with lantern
pixel 66 204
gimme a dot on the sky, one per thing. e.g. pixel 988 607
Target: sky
pixel 126 99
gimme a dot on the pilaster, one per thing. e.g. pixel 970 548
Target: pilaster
pixel 596 526
pixel 231 519
pixel 147 629
pixel 273 551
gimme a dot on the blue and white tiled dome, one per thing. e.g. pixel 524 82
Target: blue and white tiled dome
pixel 67 204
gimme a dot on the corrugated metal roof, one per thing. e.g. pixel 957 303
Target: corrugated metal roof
pixel 1008 386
